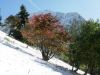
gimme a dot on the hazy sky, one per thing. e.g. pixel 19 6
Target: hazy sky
pixel 86 8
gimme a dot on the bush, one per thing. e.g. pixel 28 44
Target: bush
pixel 16 34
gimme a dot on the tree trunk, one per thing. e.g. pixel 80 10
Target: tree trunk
pixel 98 72
pixel 77 66
pixel 86 72
pixel 92 70
pixel 45 56
pixel 76 69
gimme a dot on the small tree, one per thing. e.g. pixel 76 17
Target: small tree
pixel 23 17
pixel 16 34
pixel 46 32
pixel 12 21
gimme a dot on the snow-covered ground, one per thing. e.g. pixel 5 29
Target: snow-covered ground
pixel 17 59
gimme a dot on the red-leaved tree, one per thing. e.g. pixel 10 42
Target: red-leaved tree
pixel 46 32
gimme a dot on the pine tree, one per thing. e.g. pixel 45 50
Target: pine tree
pixel 23 16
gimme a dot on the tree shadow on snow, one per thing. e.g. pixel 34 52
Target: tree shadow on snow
pixel 54 67
pixel 18 49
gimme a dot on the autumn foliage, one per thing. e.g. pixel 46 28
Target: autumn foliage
pixel 46 32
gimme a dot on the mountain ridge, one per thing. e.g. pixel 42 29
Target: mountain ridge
pixel 66 19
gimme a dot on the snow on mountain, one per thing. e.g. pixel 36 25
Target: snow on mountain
pixel 17 58
pixel 68 18
pixel 65 18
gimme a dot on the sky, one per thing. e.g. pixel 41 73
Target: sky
pixel 86 8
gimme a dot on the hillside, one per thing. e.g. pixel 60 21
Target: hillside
pixel 18 59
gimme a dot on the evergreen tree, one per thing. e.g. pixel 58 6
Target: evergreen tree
pixel 86 46
pixel 16 34
pixel 23 16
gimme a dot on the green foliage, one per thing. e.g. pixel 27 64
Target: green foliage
pixel 63 56
pixel 12 21
pixel 85 48
pixel 23 17
pixel 17 22
pixel 16 34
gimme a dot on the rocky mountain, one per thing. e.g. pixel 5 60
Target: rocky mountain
pixel 64 18
pixel 67 19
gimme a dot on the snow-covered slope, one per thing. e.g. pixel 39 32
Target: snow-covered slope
pixel 17 58
pixel 5 29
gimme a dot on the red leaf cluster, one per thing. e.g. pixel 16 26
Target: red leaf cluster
pixel 44 27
